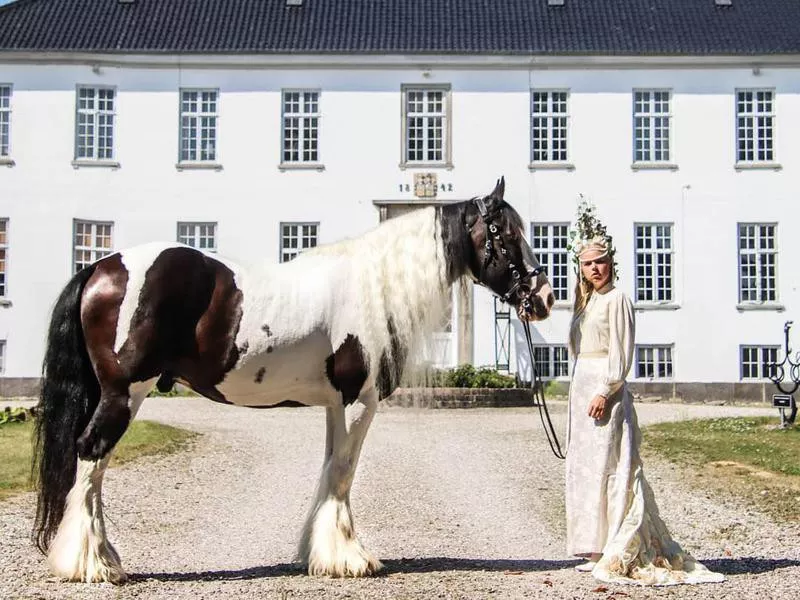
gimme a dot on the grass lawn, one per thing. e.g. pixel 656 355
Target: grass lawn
pixel 749 457
pixel 143 438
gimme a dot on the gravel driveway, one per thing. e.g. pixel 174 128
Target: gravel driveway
pixel 457 503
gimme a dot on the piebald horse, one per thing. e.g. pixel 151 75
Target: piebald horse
pixel 331 328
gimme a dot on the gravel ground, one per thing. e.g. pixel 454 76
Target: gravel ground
pixel 457 503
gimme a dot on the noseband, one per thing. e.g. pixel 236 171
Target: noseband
pixel 520 276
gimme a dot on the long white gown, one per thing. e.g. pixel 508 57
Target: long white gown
pixel 610 506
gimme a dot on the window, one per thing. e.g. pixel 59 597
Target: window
pixel 755 119
pixel 551 361
pixel 94 124
pixel 296 237
pixel 755 361
pixel 198 126
pixel 5 120
pixel 427 125
pixel 198 235
pixel 3 260
pixel 548 126
pixel 654 362
pixel 653 262
pixel 758 258
pixel 549 243
pixel 301 118
pixel 2 356
pixel 92 242
pixel 651 126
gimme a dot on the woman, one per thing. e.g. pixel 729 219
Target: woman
pixel 612 517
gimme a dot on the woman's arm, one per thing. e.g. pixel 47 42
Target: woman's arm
pixel 621 334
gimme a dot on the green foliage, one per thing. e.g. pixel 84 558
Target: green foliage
pixel 467 376
pixel 14 415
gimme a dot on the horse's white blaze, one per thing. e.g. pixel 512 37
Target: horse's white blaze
pixel 137 261
pixel 80 550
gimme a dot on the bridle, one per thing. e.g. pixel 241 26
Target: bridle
pixel 520 277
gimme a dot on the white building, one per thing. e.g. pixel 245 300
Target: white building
pixel 259 127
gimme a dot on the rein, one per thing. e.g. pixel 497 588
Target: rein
pixel 522 289
pixel 538 398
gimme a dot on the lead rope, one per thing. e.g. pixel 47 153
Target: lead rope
pixel 538 396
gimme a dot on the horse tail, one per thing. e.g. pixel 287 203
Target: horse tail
pixel 70 393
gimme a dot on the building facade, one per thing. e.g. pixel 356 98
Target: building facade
pixel 257 151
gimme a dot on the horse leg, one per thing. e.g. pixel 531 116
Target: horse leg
pixel 329 544
pixel 80 550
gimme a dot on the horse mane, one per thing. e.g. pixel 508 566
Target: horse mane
pixel 402 284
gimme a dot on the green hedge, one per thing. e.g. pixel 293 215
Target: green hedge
pixel 467 376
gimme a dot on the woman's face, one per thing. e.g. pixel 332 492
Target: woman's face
pixel 596 268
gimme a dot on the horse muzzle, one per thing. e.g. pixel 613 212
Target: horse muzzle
pixel 534 306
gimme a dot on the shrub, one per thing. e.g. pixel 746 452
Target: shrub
pixel 467 376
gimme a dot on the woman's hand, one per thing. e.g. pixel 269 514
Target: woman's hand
pixel 597 407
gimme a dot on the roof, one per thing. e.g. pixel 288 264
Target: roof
pixel 470 27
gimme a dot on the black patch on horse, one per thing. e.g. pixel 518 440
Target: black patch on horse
pixel 459 251
pixel 391 367
pixel 260 374
pixel 347 370
pixel 186 322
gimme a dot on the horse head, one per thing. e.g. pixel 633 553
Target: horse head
pixel 503 259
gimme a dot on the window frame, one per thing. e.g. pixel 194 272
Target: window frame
pixel 5 157
pixel 656 349
pixel 299 249
pixel 196 236
pixel 96 114
pixel 303 128
pixel 744 163
pixel 655 253
pixel 97 252
pixel 195 162
pixel 652 128
pixel 549 116
pixel 550 251
pixel 447 106
pixel 552 362
pixel 759 266
pixel 4 248
pixel 761 349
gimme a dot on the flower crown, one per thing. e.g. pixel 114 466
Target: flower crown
pixel 588 232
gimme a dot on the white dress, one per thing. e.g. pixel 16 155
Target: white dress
pixel 610 506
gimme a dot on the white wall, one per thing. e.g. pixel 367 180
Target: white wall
pixel 361 150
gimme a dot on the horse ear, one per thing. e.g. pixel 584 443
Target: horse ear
pixel 499 189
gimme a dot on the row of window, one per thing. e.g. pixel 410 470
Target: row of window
pixel 93 240
pixel 654 362
pixel 654 260
pixel 426 126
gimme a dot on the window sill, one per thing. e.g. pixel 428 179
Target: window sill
pixel 756 166
pixel 639 306
pixel 654 166
pixel 745 306
pixel 551 166
pixel 447 165
pixel 562 305
pixel 300 166
pixel 103 164
pixel 5 303
pixel 198 166
pixel 7 161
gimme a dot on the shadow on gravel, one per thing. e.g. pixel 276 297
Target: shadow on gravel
pixel 401 565
pixel 752 566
